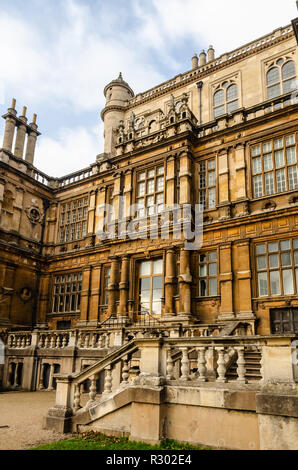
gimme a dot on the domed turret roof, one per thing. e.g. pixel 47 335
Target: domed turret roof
pixel 118 81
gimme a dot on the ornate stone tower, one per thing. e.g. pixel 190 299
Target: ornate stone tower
pixel 117 94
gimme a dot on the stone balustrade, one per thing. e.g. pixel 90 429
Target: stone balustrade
pixel 19 340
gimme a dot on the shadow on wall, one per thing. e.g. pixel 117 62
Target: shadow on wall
pixel 2 358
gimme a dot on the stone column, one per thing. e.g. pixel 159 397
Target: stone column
pixel 124 287
pixel 50 387
pixel 113 285
pixel 31 141
pixel 21 134
pixel 10 123
pixel 85 295
pixel 94 295
pixel 41 384
pixel 185 280
pixel 226 282
pixel 223 185
pixel 243 280
pixel 170 277
pixel 100 213
pixel 91 213
pixel 185 178
pixel 43 300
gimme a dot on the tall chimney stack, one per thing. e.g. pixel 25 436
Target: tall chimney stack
pixel 211 54
pixel 21 134
pixel 202 57
pixel 10 123
pixel 195 61
pixel 31 140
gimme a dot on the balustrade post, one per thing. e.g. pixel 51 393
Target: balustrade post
pixel 53 341
pixel 92 389
pixel 47 341
pixel 107 340
pixel 64 342
pixel 202 363
pixel 86 343
pixel 108 380
pixel 241 364
pixel 94 341
pixel 125 370
pixel 184 364
pixel 170 365
pixel 221 368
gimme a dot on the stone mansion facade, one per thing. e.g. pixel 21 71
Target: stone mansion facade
pixel 76 289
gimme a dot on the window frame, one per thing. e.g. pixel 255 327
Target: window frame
pixel 55 305
pixel 280 268
pixel 207 277
pixel 205 201
pixel 73 219
pixel 275 169
pixel 281 81
pixel 151 277
pixel 153 194
pixel 224 87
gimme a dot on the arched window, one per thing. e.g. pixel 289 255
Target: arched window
pixel 225 100
pixel 281 78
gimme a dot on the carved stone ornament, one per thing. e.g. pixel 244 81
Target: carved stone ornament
pixel 34 214
pixel 26 294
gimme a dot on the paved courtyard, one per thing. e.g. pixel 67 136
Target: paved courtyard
pixel 23 413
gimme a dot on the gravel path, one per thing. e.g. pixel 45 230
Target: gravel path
pixel 23 412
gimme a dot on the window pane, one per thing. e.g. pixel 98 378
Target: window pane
pixel 211 198
pixel 218 97
pixel 258 189
pixel 211 178
pixel 262 280
pixel 272 247
pixel 290 140
pixel 218 111
pixel 287 276
pixel 141 189
pixel 280 180
pixel 158 266
pixel 141 176
pixel 232 92
pixel 286 259
pixel 156 294
pixel 212 256
pixel 151 173
pixel 285 245
pixel 273 91
pixel 150 186
pixel 203 258
pixel 211 164
pixel 268 164
pixel 160 183
pixel 279 158
pixel 212 269
pixel 145 284
pixel 257 165
pixel 278 144
pixel 203 288
pixel 261 262
pixel 212 287
pixel 273 76
pixel 274 283
pixel 256 150
pixel 273 261
pixel 291 155
pixel 267 147
pixel 145 268
pixel 269 183
pixel 293 178
pixel 289 85
pixel 156 308
pixel 288 69
pixel 296 257
pixel 157 282
pixel 232 106
pixel 160 170
pixel 261 249
pixel 203 270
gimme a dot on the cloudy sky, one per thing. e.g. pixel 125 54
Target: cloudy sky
pixel 56 56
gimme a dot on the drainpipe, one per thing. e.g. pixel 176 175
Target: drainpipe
pixel 200 86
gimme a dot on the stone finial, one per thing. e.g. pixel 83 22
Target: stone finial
pixel 120 76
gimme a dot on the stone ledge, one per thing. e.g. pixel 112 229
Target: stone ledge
pixel 279 405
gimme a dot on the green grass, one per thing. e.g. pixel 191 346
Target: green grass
pixel 98 441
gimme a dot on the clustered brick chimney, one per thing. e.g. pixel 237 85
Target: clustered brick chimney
pixel 13 122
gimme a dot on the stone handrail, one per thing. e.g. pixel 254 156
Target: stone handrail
pixel 177 361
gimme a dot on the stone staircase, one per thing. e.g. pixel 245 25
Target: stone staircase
pixel 252 366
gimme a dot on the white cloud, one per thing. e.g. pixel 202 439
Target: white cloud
pixel 65 66
pixel 73 149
